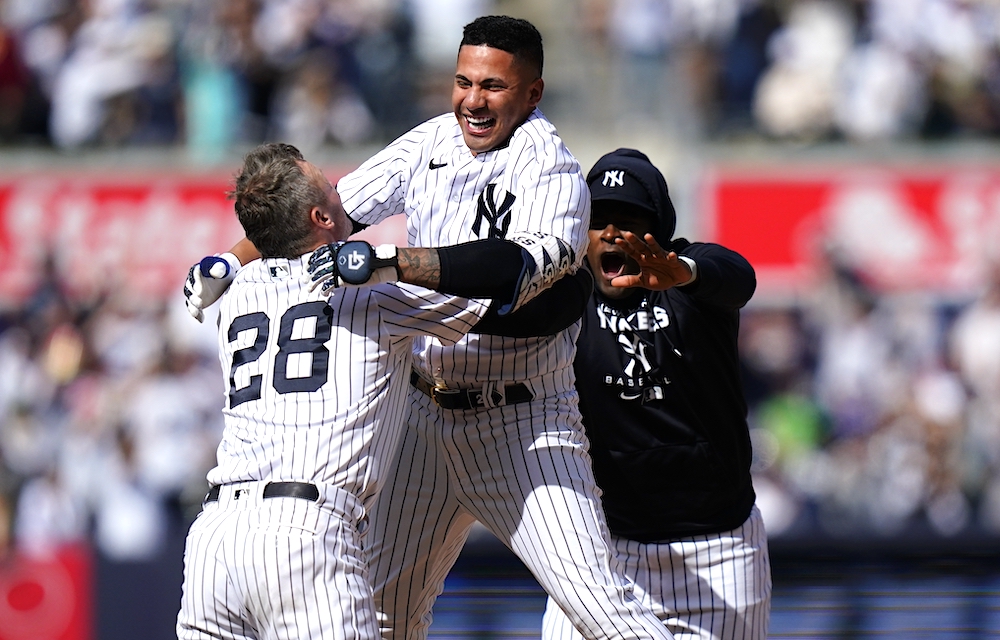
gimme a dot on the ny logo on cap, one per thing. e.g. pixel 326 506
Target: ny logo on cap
pixel 614 178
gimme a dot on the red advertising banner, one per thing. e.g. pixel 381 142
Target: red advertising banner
pixel 132 233
pixel 47 596
pixel 902 229
pixel 107 232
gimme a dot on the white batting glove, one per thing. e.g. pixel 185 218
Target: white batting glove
pixel 207 281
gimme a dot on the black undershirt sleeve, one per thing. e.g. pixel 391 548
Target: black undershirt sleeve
pixel 356 226
pixel 492 269
pixel 548 313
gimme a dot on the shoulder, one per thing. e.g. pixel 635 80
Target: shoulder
pixel 429 133
pixel 252 272
pixel 445 122
pixel 536 143
pixel 703 249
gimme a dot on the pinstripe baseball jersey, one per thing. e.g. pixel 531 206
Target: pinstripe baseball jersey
pixel 315 394
pixel 520 469
pixel 316 390
pixel 450 196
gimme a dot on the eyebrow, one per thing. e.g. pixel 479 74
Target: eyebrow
pixel 493 79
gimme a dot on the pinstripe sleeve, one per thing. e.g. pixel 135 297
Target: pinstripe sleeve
pixel 376 190
pixel 554 198
pixel 409 310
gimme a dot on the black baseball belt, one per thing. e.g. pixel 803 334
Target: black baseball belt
pixel 489 395
pixel 303 490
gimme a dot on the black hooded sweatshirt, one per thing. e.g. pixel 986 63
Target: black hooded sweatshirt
pixel 663 405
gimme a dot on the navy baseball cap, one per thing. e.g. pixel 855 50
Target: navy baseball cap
pixel 627 176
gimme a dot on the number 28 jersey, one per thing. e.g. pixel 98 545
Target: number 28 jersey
pixel 316 387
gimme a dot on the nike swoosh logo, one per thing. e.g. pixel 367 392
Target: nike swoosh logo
pixel 629 396
pixel 433 165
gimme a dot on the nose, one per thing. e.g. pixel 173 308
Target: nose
pixel 474 98
pixel 610 232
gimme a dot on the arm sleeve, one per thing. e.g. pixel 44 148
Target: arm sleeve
pixel 548 313
pixel 411 310
pixel 481 269
pixel 725 278
pixel 492 269
pixel 376 189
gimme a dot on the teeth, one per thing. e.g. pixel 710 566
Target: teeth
pixel 479 122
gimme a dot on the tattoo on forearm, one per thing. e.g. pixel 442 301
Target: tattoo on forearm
pixel 420 266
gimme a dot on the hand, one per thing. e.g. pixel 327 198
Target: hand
pixel 351 263
pixel 207 281
pixel 658 269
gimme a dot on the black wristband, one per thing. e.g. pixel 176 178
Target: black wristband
pixel 356 262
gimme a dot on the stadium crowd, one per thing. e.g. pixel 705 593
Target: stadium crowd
pixel 870 414
pixel 79 73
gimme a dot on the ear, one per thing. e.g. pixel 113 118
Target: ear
pixel 535 92
pixel 321 218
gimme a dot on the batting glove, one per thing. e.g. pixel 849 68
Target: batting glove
pixel 207 281
pixel 352 263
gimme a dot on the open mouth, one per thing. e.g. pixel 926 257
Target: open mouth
pixel 479 125
pixel 612 265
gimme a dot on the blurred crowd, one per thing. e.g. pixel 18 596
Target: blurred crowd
pixel 870 415
pixel 210 74
pixel 869 412
pixel 78 73
pixel 876 414
pixel 110 412
pixel 808 70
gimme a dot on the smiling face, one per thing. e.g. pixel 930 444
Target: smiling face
pixel 607 260
pixel 493 94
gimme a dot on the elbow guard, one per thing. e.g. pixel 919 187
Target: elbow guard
pixel 546 259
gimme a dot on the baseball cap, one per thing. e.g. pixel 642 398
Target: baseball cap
pixel 627 175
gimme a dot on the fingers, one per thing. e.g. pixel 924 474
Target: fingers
pixel 324 276
pixel 626 282
pixel 213 267
pixel 322 268
pixel 206 281
pixel 189 296
pixel 642 249
pixel 195 312
pixel 324 254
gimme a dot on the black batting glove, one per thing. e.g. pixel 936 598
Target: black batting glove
pixel 353 263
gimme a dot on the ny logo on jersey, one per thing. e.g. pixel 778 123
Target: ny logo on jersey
pixel 614 178
pixel 494 215
pixel 635 348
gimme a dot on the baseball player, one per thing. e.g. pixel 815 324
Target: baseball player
pixel 493 431
pixel 494 434
pixel 658 373
pixel 316 393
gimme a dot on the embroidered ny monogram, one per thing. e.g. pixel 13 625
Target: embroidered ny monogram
pixel 614 178
pixel 495 216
